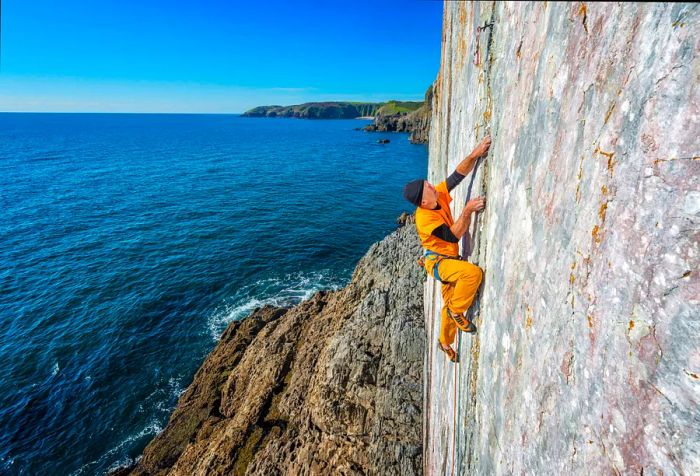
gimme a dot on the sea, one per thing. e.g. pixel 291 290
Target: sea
pixel 128 242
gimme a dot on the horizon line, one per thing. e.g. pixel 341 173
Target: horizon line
pixel 156 112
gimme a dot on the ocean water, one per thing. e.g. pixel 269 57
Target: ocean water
pixel 129 242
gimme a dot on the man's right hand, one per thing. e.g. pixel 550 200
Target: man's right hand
pixel 475 205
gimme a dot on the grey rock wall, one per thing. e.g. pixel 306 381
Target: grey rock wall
pixel 587 359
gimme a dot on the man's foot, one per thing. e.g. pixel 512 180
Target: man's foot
pixel 451 354
pixel 462 322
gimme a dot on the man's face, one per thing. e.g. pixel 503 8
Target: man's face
pixel 429 194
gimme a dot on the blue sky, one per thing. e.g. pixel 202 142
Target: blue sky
pixel 213 56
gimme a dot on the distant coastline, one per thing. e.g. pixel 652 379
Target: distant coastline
pixel 391 116
pixel 334 109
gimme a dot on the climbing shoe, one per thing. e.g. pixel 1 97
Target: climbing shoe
pixel 451 354
pixel 462 322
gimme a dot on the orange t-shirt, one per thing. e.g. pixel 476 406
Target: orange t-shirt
pixel 428 220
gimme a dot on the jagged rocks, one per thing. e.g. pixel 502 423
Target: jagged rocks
pixel 331 386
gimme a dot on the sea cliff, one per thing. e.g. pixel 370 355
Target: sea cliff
pixel 587 358
pixel 415 121
pixel 330 386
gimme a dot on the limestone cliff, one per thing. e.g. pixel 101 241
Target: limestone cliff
pixel 587 359
pixel 331 386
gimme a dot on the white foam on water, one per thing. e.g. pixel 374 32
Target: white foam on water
pixel 284 291
pixel 218 321
pixel 152 429
pixel 123 462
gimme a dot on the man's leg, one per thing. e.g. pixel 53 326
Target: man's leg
pixel 465 278
pixel 448 328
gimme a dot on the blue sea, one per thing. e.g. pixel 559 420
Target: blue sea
pixel 129 241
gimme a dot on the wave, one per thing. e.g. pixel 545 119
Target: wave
pixel 280 291
pixel 152 428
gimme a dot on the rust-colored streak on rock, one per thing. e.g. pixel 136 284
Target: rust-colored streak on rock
pixel 609 113
pixel 583 13
pixel 566 365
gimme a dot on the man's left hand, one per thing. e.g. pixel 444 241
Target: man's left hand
pixel 483 148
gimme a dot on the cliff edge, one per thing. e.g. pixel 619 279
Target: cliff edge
pixel 587 359
pixel 330 386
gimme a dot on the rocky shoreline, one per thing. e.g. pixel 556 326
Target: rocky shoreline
pixel 331 386
pixel 416 123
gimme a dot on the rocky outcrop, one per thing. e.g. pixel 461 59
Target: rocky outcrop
pixel 416 122
pixel 587 359
pixel 331 386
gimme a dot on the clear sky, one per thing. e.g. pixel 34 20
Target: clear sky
pixel 213 56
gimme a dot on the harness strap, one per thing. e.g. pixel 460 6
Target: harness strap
pixel 438 258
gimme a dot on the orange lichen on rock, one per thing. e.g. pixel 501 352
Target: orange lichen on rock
pixel 609 155
pixel 601 212
pixel 595 234
pixel 528 317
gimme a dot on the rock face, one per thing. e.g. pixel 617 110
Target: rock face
pixel 331 386
pixel 416 122
pixel 587 359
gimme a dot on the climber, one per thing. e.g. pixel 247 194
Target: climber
pixel 439 235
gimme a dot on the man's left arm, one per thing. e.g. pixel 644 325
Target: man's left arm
pixel 467 165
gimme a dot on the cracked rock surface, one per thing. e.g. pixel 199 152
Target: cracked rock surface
pixel 330 386
pixel 587 359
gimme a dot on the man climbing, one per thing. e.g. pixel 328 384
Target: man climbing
pixel 439 235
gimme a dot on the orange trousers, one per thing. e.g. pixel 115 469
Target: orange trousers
pixel 464 279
